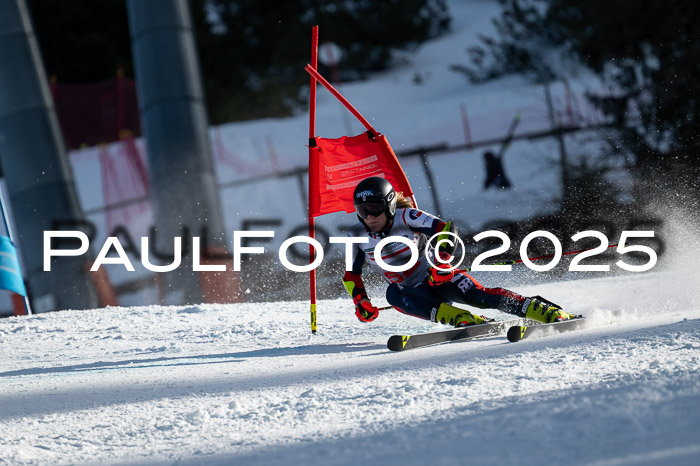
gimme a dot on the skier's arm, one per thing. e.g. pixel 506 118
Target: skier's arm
pixel 356 288
pixel 423 222
pixel 443 271
pixel 448 231
pixel 353 278
pixel 430 225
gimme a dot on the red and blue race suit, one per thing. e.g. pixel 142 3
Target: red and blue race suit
pixel 410 291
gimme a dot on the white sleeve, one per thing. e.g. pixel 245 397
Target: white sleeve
pixel 418 220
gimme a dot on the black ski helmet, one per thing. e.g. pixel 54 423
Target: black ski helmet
pixel 373 196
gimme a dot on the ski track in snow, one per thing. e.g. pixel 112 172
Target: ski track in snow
pixel 249 384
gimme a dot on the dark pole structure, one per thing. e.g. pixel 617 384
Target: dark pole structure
pixel 173 113
pixel 565 179
pixel 423 153
pixel 35 166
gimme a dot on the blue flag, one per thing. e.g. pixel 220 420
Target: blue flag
pixel 10 274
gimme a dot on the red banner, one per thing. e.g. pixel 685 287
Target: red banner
pixel 338 165
pixel 92 114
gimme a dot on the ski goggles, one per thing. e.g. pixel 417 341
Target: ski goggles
pixel 375 209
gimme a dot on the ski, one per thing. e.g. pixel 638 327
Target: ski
pixel 520 332
pixel 406 342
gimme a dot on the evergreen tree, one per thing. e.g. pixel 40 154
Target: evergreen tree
pixel 646 52
pixel 82 41
pixel 252 52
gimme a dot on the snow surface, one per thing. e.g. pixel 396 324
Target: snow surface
pixel 249 384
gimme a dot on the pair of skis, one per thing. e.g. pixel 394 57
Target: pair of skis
pixel 515 330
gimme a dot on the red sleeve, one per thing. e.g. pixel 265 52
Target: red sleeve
pixel 357 280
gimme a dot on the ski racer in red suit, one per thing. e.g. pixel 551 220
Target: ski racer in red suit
pixel 423 291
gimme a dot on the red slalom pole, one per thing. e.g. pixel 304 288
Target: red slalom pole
pixel 312 134
pixel 465 124
pixel 321 80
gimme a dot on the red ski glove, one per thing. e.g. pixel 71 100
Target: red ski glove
pixel 364 309
pixel 440 273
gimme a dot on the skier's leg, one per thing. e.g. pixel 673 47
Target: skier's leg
pixel 465 289
pixel 537 308
pixel 416 302
pixel 423 302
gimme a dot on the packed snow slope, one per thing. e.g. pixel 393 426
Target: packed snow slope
pixel 249 384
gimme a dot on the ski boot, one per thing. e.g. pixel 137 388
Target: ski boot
pixel 448 314
pixel 540 310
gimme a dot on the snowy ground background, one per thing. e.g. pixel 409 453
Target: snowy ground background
pixel 249 384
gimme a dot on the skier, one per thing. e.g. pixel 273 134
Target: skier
pixel 423 291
